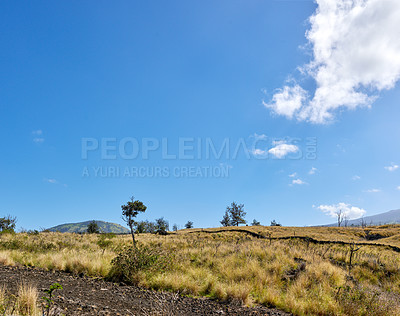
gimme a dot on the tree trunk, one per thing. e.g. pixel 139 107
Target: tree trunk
pixel 133 236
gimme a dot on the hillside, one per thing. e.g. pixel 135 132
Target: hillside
pixel 391 217
pixel 81 227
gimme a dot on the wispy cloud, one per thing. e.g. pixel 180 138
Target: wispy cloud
pixel 38 140
pixel 38 136
pixel 313 170
pixel 294 174
pixel 282 149
pixel 392 167
pixel 351 212
pixel 356 54
pixel 258 152
pixel 373 191
pixel 52 181
pixel 356 177
pixel 398 188
pixel 259 136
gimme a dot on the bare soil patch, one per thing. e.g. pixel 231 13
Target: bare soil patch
pixel 88 296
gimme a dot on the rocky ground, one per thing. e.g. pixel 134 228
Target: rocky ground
pixel 87 296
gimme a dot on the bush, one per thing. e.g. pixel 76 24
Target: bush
pixel 359 300
pixel 132 260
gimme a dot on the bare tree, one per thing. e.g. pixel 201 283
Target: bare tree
pixel 363 223
pixel 340 216
pixel 345 220
pixel 353 249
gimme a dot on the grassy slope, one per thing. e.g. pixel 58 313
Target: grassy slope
pixel 387 234
pixel 306 279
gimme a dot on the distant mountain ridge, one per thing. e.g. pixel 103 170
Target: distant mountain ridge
pixel 391 217
pixel 81 227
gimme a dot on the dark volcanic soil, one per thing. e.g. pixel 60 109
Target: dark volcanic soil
pixel 88 296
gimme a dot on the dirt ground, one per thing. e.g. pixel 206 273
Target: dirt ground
pixel 87 296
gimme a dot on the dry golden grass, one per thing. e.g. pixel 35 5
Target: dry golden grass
pixel 294 275
pixel 25 302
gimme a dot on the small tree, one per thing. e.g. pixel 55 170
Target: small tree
pixel 274 223
pixel 141 227
pixel 129 211
pixel 255 223
pixel 189 224
pixel 237 214
pixel 49 298
pixel 226 220
pixel 105 241
pixel 145 227
pixel 162 226
pixel 93 228
pixel 175 228
pixel 7 223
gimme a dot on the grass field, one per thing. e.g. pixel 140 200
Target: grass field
pixel 297 275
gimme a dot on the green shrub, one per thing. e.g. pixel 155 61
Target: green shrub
pixel 133 260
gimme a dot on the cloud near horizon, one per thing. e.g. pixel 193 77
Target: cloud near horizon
pixel 356 54
pixel 351 212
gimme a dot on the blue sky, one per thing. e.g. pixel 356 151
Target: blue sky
pixel 217 70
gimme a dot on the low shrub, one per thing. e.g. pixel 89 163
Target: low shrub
pixel 131 261
pixel 358 300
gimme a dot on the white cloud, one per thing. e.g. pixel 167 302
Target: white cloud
pixel 373 190
pixel 256 139
pixel 313 170
pixel 298 181
pixel 356 54
pixel 37 132
pixel 258 152
pixel 52 181
pixel 287 101
pixel 293 175
pixel 392 167
pixel 282 149
pixel 351 212
pixel 398 188
pixel 356 177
